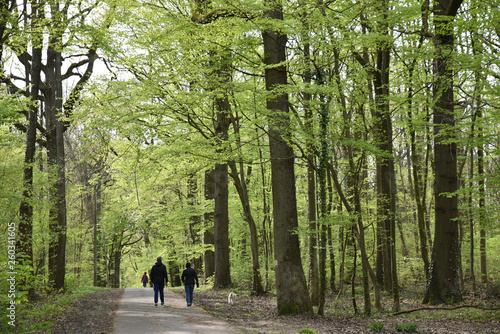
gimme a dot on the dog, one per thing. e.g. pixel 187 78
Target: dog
pixel 231 297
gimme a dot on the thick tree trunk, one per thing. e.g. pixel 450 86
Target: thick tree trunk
pixel 208 235
pixel 61 182
pixel 311 190
pixel 444 279
pixel 313 282
pixel 386 176
pixel 55 148
pixel 291 284
pixel 24 242
pixel 222 277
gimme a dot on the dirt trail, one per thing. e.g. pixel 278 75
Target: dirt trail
pixel 137 314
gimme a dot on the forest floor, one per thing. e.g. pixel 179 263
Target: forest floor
pixel 258 315
pixel 251 314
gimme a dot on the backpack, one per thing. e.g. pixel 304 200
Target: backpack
pixel 144 279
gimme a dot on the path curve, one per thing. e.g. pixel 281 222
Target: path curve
pixel 137 314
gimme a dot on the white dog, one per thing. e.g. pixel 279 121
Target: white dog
pixel 231 297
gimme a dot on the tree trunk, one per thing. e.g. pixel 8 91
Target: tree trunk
pixel 24 242
pixel 419 195
pixel 313 281
pixel 313 240
pixel 471 211
pixel 61 183
pixel 386 176
pixel 222 277
pixel 55 147
pixel 331 250
pixel 266 221
pixel 482 204
pixel 444 280
pixel 208 235
pixel 92 212
pixel 478 49
pixel 195 219
pixel 240 185
pixel 291 284
pixel 116 268
pixel 322 176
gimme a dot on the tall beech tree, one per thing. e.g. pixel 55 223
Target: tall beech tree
pixel 291 284
pixel 24 243
pixel 222 278
pixel 63 27
pixel 444 277
pixel 386 175
pixel 331 97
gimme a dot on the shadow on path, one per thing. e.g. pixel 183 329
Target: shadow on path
pixel 137 314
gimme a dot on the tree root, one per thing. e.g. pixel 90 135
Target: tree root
pixel 477 306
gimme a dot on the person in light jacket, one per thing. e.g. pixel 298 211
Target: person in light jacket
pixel 189 278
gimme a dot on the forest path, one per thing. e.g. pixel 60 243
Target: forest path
pixel 137 314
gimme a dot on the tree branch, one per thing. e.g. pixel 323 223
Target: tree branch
pixel 220 13
pixel 447 309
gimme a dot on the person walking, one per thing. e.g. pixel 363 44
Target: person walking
pixel 158 276
pixel 189 278
pixel 144 279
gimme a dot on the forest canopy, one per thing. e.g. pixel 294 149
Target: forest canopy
pixel 302 148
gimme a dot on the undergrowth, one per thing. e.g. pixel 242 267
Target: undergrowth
pixel 341 306
pixel 33 317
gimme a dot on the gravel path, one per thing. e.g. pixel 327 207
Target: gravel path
pixel 137 314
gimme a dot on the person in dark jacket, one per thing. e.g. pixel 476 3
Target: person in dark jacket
pixel 189 278
pixel 158 276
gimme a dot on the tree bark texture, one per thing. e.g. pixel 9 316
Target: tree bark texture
pixel 208 235
pixel 444 279
pixel 291 285
pixel 386 175
pixel 222 277
pixel 24 242
pixel 322 181
pixel 239 182
pixel 311 188
pixel 55 148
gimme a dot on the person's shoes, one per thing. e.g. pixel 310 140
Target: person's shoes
pixel 156 304
pixel 162 303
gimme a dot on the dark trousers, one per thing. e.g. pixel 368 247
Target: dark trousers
pixel 158 287
pixel 189 293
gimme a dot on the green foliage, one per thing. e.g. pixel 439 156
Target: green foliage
pixel 32 317
pixel 307 331
pixel 406 328
pixel 377 326
pixel 140 136
pixel 11 107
